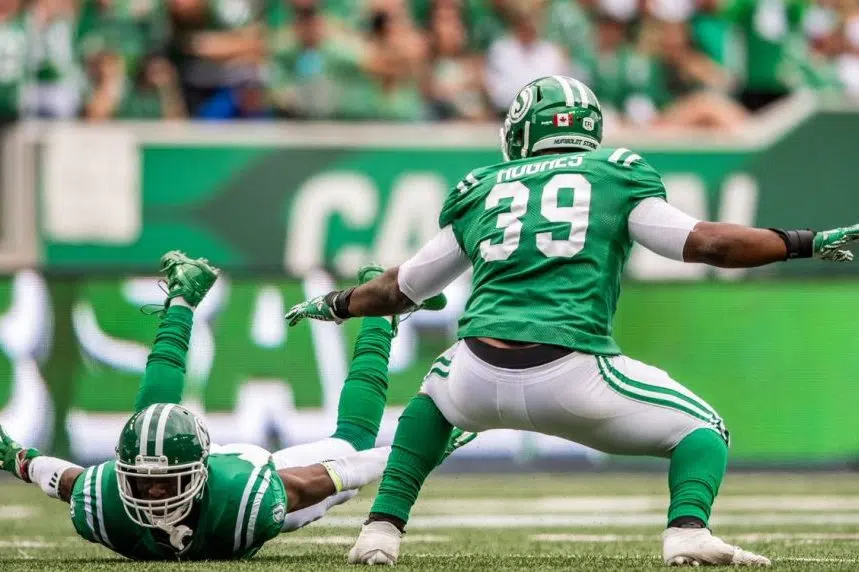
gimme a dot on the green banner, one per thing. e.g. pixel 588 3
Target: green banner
pixel 776 360
pixel 293 206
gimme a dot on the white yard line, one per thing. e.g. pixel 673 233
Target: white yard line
pixel 16 512
pixel 24 543
pixel 810 559
pixel 755 537
pixel 350 539
pixel 618 504
pixel 552 520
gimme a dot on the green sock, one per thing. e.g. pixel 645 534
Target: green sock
pixel 419 443
pixel 164 378
pixel 697 468
pixel 365 391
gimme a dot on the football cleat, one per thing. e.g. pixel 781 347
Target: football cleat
pixel 698 546
pixel 186 277
pixel 378 543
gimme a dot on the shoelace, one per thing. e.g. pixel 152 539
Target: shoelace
pixel 156 309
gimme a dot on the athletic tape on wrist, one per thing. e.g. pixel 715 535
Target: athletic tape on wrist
pixel 799 243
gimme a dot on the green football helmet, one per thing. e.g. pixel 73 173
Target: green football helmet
pixel 161 465
pixel 553 112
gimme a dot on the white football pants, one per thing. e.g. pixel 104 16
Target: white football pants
pixel 614 404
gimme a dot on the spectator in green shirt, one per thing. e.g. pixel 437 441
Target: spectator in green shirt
pixel 152 93
pixel 132 28
pixel 55 79
pixel 13 58
pixel 454 82
pixel 217 45
pixel 767 28
pixel 695 88
pixel 314 73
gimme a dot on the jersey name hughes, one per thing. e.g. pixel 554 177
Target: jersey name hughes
pixel 513 173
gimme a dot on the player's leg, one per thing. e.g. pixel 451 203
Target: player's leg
pixel 359 413
pixel 365 391
pixel 620 405
pixel 419 445
pixel 188 281
pixel 421 442
pixel 362 401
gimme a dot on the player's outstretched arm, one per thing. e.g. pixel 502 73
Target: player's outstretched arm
pixel 418 281
pixel 306 486
pixel 672 233
pixel 56 477
pixel 733 245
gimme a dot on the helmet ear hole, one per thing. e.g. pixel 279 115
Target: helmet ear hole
pixel 539 95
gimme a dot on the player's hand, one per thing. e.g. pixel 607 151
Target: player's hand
pixel 828 243
pixel 13 457
pixel 319 308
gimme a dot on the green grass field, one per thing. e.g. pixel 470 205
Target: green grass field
pixel 522 522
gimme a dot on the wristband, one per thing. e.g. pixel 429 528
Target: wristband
pixel 799 243
pixel 339 302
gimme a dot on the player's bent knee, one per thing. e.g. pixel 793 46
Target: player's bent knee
pixel 704 441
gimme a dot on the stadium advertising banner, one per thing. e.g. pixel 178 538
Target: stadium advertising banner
pixel 275 199
pixel 74 349
pixel 287 210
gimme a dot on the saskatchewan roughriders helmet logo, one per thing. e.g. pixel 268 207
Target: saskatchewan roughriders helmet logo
pixel 521 105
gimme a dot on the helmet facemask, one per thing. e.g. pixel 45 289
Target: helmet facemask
pixel 185 485
pixel 161 467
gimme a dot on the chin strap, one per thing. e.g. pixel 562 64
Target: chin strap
pixel 178 534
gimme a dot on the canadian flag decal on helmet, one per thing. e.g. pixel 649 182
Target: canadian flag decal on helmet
pixel 563 119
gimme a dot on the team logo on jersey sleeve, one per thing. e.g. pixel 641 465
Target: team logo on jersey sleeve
pixel 278 513
pixel 588 123
pixel 563 119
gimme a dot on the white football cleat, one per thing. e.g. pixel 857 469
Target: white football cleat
pixel 697 546
pixel 378 543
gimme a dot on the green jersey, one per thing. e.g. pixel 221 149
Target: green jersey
pixel 243 506
pixel 547 238
pixel 13 64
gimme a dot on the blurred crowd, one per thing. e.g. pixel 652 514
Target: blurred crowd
pixel 652 62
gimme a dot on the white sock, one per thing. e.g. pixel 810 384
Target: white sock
pixel 312 453
pixel 359 469
pixel 46 472
pixel 180 301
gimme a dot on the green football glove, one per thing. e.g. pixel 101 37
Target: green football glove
pixel 458 438
pixel 828 243
pixel 13 457
pixel 331 307
pixel 319 308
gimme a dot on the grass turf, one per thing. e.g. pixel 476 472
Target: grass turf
pixel 582 522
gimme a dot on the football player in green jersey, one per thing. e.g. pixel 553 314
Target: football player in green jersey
pixel 169 494
pixel 547 234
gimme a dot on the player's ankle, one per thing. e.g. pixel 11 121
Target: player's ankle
pixel 687 522
pixel 382 517
pixel 181 301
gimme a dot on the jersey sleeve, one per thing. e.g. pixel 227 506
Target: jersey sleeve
pixel 644 182
pixel 458 198
pixel 630 171
pixel 262 510
pixel 88 504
